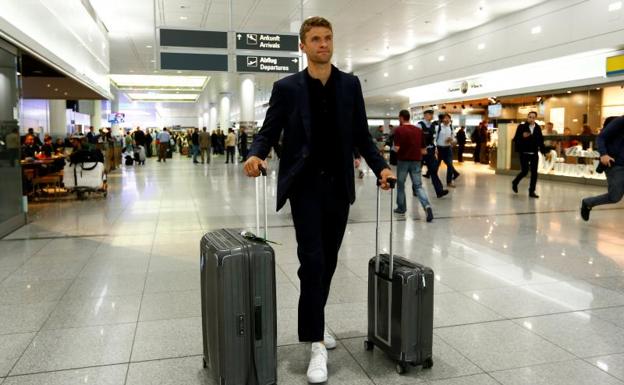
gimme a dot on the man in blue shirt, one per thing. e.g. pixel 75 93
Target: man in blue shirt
pixel 163 139
pixel 611 147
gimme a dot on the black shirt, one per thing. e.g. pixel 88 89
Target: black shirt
pixel 325 147
pixel 195 139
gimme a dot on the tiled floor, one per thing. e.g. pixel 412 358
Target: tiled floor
pixel 106 292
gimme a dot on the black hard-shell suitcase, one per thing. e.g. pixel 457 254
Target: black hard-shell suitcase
pixel 239 307
pixel 400 306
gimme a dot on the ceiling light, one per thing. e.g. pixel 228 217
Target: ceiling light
pixel 18 73
pixel 48 85
pixel 183 17
pixel 159 81
pixel 56 89
pixel 441 58
pixel 536 30
pixel 148 46
pixel 144 96
pixel 152 61
pixel 481 46
pixel 615 6
pixel 386 75
pixel 410 67
pixel 598 89
pixel 569 92
pixel 179 71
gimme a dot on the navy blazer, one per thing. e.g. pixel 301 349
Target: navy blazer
pixel 289 113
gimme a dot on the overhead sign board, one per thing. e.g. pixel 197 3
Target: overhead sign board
pixel 193 38
pixel 267 64
pixel 615 65
pixel 193 62
pixel 267 41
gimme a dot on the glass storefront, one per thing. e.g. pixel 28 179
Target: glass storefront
pixel 11 208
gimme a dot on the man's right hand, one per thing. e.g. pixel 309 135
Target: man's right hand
pixel 607 160
pixel 252 166
pixel 526 134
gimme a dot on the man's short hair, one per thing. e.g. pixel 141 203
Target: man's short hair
pixel 532 112
pixel 405 115
pixel 311 22
pixel 430 112
pixel 444 115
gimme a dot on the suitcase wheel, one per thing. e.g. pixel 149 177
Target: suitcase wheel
pixel 401 368
pixel 428 364
pixel 368 345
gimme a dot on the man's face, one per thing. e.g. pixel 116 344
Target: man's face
pixel 29 141
pixel 549 127
pixel 531 118
pixel 318 45
pixel 446 120
pixel 428 117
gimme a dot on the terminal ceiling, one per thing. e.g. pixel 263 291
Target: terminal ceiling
pixel 366 31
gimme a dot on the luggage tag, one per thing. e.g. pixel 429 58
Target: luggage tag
pixel 253 237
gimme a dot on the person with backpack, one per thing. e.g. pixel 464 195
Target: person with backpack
pixel 428 125
pixel 445 138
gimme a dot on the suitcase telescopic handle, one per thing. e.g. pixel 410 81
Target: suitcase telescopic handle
pixel 392 183
pixel 263 172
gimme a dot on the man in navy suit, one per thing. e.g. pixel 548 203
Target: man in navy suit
pixel 321 113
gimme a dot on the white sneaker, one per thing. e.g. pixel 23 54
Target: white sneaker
pixel 329 340
pixel 317 370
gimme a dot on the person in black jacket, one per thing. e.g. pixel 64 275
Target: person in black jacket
pixel 611 148
pixel 528 140
pixel 461 144
pixel 316 175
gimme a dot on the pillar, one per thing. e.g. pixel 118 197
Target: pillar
pixel 247 103
pixel 213 118
pixel 96 115
pixel 58 118
pixel 224 111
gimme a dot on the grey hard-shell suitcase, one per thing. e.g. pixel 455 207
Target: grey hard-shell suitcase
pixel 400 306
pixel 239 307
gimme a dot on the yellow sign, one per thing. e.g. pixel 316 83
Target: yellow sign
pixel 615 65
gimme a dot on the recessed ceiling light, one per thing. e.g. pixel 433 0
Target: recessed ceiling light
pixel 159 81
pixel 56 89
pixel 536 30
pixel 410 67
pixel 148 46
pixel 598 89
pixel 179 71
pixel 48 85
pixel 65 93
pixel 386 75
pixel 569 92
pixel 615 6
pixel 441 58
pixel 183 17
pixel 481 46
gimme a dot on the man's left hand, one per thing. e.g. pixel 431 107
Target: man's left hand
pixel 386 174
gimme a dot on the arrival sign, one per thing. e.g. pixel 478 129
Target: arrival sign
pixel 267 41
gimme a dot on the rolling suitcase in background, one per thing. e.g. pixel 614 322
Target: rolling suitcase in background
pixel 239 318
pixel 400 306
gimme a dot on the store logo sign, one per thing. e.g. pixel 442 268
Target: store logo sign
pixel 465 86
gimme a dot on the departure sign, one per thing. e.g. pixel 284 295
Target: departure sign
pixel 267 64
pixel 267 42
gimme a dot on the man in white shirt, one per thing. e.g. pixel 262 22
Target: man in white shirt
pixel 445 138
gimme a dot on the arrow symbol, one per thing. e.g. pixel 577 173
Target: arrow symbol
pixel 295 60
pixel 239 36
